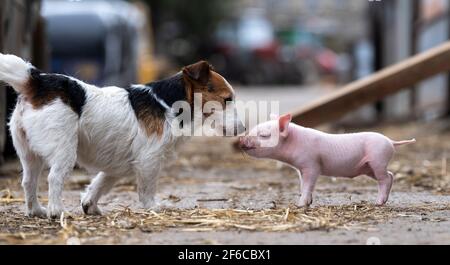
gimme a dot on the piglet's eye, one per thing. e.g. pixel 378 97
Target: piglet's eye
pixel 264 135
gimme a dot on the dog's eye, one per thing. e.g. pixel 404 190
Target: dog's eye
pixel 229 99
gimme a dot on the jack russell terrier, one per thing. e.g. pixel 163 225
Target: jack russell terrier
pixel 113 132
pixel 315 153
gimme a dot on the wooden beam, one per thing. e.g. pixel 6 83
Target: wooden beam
pixel 375 87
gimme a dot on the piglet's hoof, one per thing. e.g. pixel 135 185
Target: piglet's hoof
pixel 304 202
pixel 381 203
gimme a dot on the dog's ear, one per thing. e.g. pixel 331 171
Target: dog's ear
pixel 199 72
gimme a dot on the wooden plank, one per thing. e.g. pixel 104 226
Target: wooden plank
pixel 375 87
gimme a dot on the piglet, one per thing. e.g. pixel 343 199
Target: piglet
pixel 316 153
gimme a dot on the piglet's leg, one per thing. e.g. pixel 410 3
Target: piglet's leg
pixel 308 181
pixel 385 180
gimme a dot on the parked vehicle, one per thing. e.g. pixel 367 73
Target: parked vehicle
pixel 95 40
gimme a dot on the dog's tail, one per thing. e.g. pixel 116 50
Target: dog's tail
pixel 399 143
pixel 15 72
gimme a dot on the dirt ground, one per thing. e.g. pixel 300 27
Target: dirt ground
pixel 212 194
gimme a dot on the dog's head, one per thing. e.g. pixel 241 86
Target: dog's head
pixel 217 97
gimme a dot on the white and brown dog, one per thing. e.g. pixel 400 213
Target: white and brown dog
pixel 113 132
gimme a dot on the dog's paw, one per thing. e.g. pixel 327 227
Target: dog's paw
pixel 153 205
pixel 157 207
pixel 90 208
pixel 38 211
pixel 54 211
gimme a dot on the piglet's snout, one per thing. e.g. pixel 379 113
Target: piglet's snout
pixel 245 143
pixel 242 141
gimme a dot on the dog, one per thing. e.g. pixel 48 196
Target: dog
pixel 313 153
pixel 60 121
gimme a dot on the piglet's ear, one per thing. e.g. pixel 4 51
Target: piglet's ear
pixel 198 72
pixel 284 124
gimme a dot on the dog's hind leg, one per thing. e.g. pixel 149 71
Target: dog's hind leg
pixel 60 169
pixel 99 186
pixel 52 133
pixel 32 165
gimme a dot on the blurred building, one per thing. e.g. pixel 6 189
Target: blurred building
pixel 325 17
pixel 288 41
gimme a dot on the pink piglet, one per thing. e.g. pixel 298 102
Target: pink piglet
pixel 316 153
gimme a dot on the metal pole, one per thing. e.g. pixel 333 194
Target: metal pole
pixel 448 77
pixel 414 49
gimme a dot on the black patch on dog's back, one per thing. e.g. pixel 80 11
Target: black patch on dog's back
pixel 168 90
pixel 146 101
pixel 45 88
pixel 143 102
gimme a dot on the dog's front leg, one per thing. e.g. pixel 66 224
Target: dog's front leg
pixel 99 186
pixel 146 184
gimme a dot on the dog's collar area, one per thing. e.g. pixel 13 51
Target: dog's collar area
pixel 149 90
